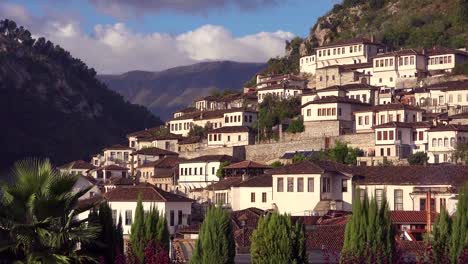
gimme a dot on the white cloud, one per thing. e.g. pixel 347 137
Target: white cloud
pixel 116 48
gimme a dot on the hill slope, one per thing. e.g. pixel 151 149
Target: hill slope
pixel 51 104
pixel 167 91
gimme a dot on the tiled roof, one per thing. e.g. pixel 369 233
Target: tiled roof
pixel 203 115
pixel 187 110
pixel 348 87
pixel 145 132
pixel 148 193
pixel 166 162
pixel 358 40
pixel 335 99
pixel 411 217
pixel 402 52
pixel 207 158
pixel 153 151
pixel 443 50
pixel 119 181
pixel 189 140
pixel 113 167
pixel 257 181
pixel 78 165
pixel 164 136
pixel 412 175
pixel 445 86
pixel 388 107
pixel 281 77
pixel 118 147
pixel 280 86
pixel 230 129
pixel 450 127
pixel 459 116
pixel 247 164
pixel 394 124
pixel 325 237
pixel 224 184
pixel 348 67
pixel 312 167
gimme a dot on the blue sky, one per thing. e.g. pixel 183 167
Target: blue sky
pixel 185 25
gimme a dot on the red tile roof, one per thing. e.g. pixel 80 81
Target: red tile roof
pixel 207 158
pixel 411 217
pixel 358 40
pixel 246 164
pixel 394 124
pixel 402 52
pixel 118 147
pixel 113 167
pixel 257 181
pixel 230 129
pixel 335 99
pixel 450 127
pixel 443 50
pixel 153 151
pixel 224 184
pixel 386 107
pixel 312 167
pixel 149 194
pixel 325 237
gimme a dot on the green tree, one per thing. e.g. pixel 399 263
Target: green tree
pixel 38 209
pixel 460 154
pixel 418 158
pixel 276 240
pixel 220 171
pixel 341 153
pixel 296 126
pixel 441 237
pixel 198 131
pixel 298 158
pixel 137 231
pixel 459 238
pixel 276 164
pixel 369 233
pixel 215 242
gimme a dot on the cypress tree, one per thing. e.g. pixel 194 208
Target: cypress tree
pixel 162 233
pixel 215 243
pixel 441 237
pixel 137 231
pixel 459 240
pixel 118 238
pixel 276 241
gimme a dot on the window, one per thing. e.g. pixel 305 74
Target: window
pixel 390 136
pixel 325 184
pixel 343 51
pixel 360 120
pixel 290 184
pixel 366 120
pixel 379 196
pixel 239 138
pixel 310 184
pixel 379 135
pixel 400 61
pixel 421 135
pixel 201 170
pixel 434 142
pixel 252 197
pixel 422 204
pixel 406 60
pixel 333 111
pixel 228 138
pixel 443 201
pixel 171 218
pixel 264 197
pixel 390 118
pixel 388 152
pixel 344 185
pixel 213 170
pixel 412 60
pixel 440 142
pixel 391 63
pixel 385 135
pixel 309 112
pixel 179 217
pixel 279 185
pixel 128 217
pixel 446 142
pixel 398 203
pixel 300 184
pixel 452 142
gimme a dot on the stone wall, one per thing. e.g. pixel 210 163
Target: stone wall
pixel 269 152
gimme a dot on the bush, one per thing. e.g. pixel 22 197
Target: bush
pixel 296 126
pixel 461 69
pixel 418 158
pixel 277 164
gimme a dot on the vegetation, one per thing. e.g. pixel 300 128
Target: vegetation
pixel 86 115
pixel 441 237
pixel 38 211
pixel 109 244
pixel 272 111
pixel 215 243
pixel 220 171
pixel 342 153
pixel 198 131
pixel 223 93
pixel 418 158
pixel 298 158
pixel 369 237
pixel 276 240
pixel 460 154
pixel 148 234
pixel 296 125
pixel 459 235
pixel 276 164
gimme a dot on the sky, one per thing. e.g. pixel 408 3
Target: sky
pixel 116 36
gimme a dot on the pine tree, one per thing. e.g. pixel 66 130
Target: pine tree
pixel 441 237
pixel 368 233
pixel 276 241
pixel 137 231
pixel 459 239
pixel 215 243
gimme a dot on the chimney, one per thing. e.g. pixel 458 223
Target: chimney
pixel 428 212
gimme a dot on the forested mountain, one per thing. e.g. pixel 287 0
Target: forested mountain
pixel 170 90
pixel 52 105
pixel 395 23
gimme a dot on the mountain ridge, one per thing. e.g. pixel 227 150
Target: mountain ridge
pixel 166 91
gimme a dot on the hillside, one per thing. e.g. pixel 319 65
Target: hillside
pixel 51 104
pixel 395 23
pixel 167 91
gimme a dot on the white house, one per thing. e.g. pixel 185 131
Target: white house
pixel 309 188
pixel 308 64
pixel 240 117
pixel 443 140
pixel 349 51
pixel 361 92
pixel 106 172
pixel 230 136
pixel 443 97
pixel 86 182
pixel 366 119
pixel 201 171
pixel 117 155
pixel 333 111
pixel 123 201
pixel 145 155
pixel 406 187
pixel 281 91
pixel 253 192
pixel 393 140
pixel 391 67
pixel 441 59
